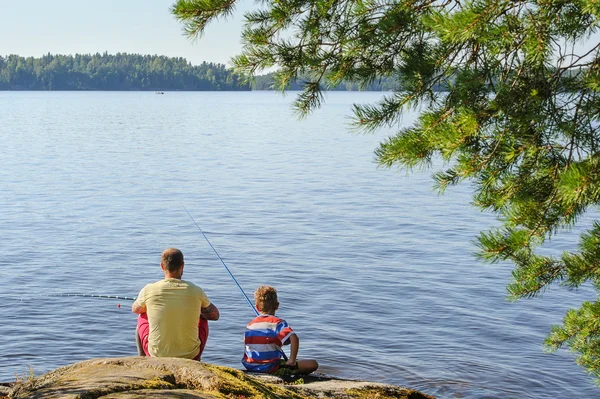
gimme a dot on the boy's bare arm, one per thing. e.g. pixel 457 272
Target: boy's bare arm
pixel 210 312
pixel 294 344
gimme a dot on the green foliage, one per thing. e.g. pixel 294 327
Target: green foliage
pixel 194 21
pixel 519 120
pixel 114 72
pixel 581 331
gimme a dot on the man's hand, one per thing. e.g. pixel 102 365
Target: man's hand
pixel 210 312
pixel 135 308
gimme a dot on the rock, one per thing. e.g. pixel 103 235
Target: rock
pixel 147 377
pixel 321 386
pixel 4 390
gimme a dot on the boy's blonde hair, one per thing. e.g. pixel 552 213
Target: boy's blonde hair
pixel 266 299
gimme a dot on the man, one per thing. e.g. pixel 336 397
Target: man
pixel 173 313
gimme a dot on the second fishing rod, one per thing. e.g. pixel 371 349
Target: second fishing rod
pixel 229 271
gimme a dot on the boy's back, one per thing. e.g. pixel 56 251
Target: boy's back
pixel 264 337
pixel 266 334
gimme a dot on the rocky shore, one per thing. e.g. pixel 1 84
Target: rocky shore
pixel 144 377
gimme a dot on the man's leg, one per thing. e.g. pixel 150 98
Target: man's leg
pixel 142 331
pixel 138 343
pixel 202 335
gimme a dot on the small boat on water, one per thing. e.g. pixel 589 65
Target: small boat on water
pixel 159 92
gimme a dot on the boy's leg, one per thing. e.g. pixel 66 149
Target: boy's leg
pixel 307 366
pixel 142 332
pixel 202 335
pixel 284 370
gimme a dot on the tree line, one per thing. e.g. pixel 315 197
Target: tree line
pixel 119 71
pixel 124 71
pixel 270 80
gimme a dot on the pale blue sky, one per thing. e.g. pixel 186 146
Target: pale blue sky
pixel 36 27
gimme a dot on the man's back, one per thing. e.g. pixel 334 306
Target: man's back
pixel 173 307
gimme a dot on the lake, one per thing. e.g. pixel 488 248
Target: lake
pixel 375 271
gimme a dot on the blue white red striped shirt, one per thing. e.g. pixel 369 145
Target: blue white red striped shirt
pixel 263 340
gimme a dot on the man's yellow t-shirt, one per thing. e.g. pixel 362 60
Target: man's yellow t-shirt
pixel 173 308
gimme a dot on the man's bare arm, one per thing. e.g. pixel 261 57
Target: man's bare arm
pixel 210 312
pixel 135 308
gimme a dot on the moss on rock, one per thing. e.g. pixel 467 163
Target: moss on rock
pixel 237 384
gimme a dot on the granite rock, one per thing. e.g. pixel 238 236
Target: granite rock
pixel 147 377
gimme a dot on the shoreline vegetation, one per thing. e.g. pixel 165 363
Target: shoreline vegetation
pixel 136 72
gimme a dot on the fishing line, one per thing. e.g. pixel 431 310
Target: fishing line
pixel 229 271
pixel 221 259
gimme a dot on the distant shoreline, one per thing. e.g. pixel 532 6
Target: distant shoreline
pixel 137 72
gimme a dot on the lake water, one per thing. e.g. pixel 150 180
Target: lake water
pixel 375 271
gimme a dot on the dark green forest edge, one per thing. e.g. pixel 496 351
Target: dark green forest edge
pixel 114 72
pixel 123 71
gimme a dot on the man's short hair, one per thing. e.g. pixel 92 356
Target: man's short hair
pixel 266 299
pixel 172 259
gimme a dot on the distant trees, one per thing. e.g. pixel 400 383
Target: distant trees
pixel 267 82
pixel 124 71
pixel 379 83
pixel 120 71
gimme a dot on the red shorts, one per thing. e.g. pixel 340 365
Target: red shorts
pixel 143 328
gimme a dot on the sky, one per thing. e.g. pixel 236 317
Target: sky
pixel 37 27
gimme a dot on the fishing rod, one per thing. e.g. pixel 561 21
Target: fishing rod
pixel 221 259
pixel 124 298
pixel 229 271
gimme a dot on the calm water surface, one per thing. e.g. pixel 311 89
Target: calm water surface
pixel 375 272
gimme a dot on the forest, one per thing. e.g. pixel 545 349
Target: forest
pixel 120 71
pixel 124 71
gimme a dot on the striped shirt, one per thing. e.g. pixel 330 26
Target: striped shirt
pixel 263 339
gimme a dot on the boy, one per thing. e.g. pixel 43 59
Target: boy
pixel 266 334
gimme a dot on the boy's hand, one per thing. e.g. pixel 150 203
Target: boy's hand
pixel 291 363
